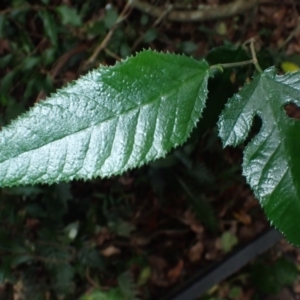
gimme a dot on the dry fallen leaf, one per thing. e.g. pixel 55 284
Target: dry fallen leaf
pixel 102 236
pixel 159 279
pixel 297 287
pixel 157 262
pixel 175 272
pixel 110 251
pixel 126 180
pixel 158 265
pixel 192 222
pixel 4 46
pixel 32 223
pixel 196 251
pixel 246 233
pixel 243 217
pixel 139 241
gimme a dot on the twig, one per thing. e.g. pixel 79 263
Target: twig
pixel 253 54
pixel 58 65
pixel 123 15
pixel 207 12
pixel 292 35
pixel 155 24
pixel 253 61
pixel 112 54
pixel 91 280
pixel 232 65
pixel 163 15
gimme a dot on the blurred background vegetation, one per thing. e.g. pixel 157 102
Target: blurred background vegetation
pixel 138 235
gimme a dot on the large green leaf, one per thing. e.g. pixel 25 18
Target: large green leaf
pixel 108 121
pixel 272 159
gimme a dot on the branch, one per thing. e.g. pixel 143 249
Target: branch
pixel 123 15
pixel 206 12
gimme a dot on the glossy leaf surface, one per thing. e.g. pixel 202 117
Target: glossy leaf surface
pixel 106 122
pixel 271 161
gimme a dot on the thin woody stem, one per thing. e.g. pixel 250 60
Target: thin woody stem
pixel 231 65
pixel 254 58
pixel 253 61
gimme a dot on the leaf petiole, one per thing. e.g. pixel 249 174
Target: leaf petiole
pixel 253 61
pixel 232 65
pixel 254 58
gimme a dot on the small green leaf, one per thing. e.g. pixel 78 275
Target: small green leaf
pixel 228 241
pixel 121 227
pixel 62 277
pixel 235 292
pixel 48 56
pixel 20 259
pixel 106 122
pixel 221 28
pixel 112 294
pixel 95 295
pixel 69 15
pixel 5 60
pixel 49 25
pixel 144 276
pixel 90 257
pixel 2 25
pixel 127 286
pixel 271 160
pixel 97 28
pixel 7 81
pixel 150 35
pixel 125 49
pixel 188 47
pixel 144 19
pixel 111 17
pixel 30 62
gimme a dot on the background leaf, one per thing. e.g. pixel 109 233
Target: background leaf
pixel 69 15
pixel 271 160
pixel 106 122
pixel 50 26
pixel 111 17
pixel 127 286
pixel 228 241
pixel 270 278
pixel 113 294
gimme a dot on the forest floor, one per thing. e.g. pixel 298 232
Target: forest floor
pixel 166 221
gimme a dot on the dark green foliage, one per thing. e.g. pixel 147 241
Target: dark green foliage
pixel 270 278
pixel 48 235
pixel 227 81
pixel 35 240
